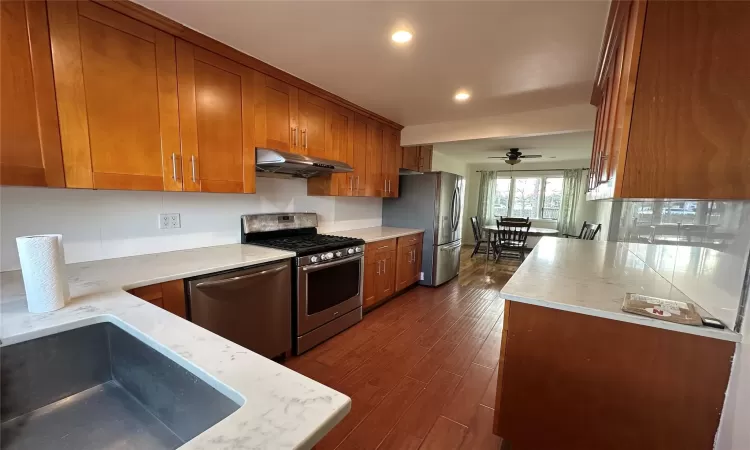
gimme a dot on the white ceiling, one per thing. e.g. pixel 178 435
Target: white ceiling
pixel 552 147
pixel 512 55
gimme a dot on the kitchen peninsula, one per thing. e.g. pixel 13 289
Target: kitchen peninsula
pixel 278 408
pixel 577 372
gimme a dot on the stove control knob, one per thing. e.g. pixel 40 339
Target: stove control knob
pixel 329 255
pixel 313 259
pixel 350 251
pixel 338 254
pixel 358 249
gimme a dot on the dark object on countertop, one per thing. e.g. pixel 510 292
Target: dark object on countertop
pixel 661 308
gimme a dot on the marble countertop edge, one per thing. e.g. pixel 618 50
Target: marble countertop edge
pixel 376 234
pixel 725 334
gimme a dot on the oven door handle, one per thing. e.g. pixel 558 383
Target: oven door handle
pixel 315 267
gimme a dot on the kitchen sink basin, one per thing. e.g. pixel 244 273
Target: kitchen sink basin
pixel 99 387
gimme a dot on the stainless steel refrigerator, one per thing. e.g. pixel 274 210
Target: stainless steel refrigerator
pixel 434 202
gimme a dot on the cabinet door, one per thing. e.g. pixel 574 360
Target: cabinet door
pixel 216 121
pixel 116 84
pixel 363 182
pixel 375 184
pixel 371 279
pixel 410 159
pixel 425 158
pixel 405 266
pixel 387 280
pixel 340 122
pixel 391 160
pixel 312 117
pixel 276 114
pixel 417 264
pixel 30 152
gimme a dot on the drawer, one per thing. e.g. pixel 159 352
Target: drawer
pixel 381 246
pixel 410 240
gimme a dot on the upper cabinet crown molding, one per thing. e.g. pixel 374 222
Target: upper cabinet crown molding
pixel 672 98
pixel 30 149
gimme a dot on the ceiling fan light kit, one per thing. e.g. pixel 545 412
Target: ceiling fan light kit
pixel 513 156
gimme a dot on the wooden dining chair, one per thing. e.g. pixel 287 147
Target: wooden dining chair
pixel 478 239
pixel 511 237
pixel 588 232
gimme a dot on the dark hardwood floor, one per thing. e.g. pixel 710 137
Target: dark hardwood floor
pixel 421 370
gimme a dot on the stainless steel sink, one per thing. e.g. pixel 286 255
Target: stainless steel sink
pixel 99 387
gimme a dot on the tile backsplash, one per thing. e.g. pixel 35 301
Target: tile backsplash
pixel 110 224
pixel 702 247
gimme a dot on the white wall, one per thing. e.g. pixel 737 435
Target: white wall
pixel 580 117
pixel 445 163
pixel 110 224
pixel 472 189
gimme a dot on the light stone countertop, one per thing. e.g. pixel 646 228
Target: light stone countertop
pixel 592 277
pixel 375 234
pixel 280 409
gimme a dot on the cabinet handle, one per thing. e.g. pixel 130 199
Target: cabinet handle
pixel 192 165
pixel 357 183
pixel 304 138
pixel 174 167
pixel 351 184
pixel 385 185
pixel 295 136
pixel 389 185
pixel 378 272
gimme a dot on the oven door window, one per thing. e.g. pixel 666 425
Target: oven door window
pixel 330 286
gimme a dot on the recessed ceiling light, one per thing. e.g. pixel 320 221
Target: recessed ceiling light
pixel 401 37
pixel 462 96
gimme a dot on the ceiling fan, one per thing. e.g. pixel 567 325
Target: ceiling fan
pixel 513 156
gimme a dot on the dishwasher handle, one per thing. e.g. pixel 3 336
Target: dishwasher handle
pixel 219 283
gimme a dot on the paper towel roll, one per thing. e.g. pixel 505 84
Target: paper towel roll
pixel 43 272
pixel 63 267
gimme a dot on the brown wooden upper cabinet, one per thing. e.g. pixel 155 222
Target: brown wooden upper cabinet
pixel 30 152
pixel 102 95
pixel 216 121
pixel 328 132
pixel 417 157
pixel 391 161
pixel 672 96
pixel 276 115
pixel 116 97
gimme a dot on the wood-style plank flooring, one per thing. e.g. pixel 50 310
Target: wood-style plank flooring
pixel 421 370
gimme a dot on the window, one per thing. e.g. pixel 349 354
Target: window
pixel 502 197
pixel 532 197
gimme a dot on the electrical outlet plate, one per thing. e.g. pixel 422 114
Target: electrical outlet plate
pixel 168 221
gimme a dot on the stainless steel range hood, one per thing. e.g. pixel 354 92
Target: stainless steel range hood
pixel 275 163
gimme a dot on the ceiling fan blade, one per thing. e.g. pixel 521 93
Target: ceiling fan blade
pixel 497 157
pixel 530 156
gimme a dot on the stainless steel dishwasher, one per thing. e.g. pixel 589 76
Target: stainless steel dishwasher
pixel 251 307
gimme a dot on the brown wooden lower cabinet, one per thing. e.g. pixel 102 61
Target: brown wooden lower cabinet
pixel 391 266
pixel 573 381
pixel 169 295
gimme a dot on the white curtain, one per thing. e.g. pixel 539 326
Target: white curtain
pixel 487 182
pixel 570 197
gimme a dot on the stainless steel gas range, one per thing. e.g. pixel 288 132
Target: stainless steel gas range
pixel 327 273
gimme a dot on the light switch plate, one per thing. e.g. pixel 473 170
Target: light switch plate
pixel 421 276
pixel 167 221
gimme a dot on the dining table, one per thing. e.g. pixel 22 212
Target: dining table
pixel 533 231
